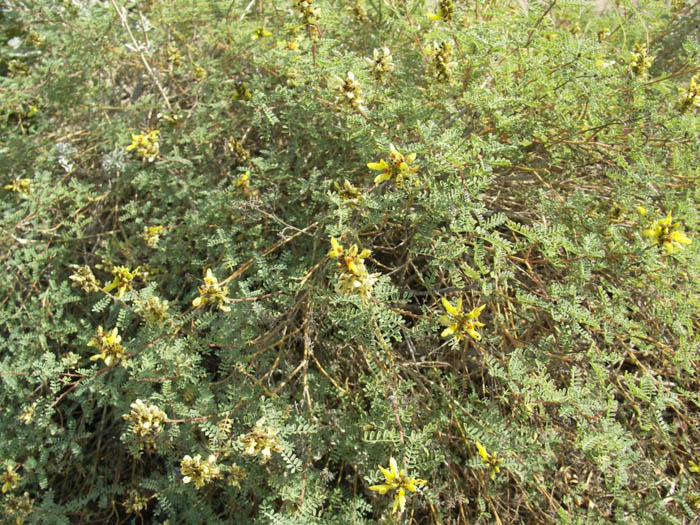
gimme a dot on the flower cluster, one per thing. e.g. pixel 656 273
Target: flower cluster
pixel 396 479
pixel 260 32
pixel 693 467
pixel 399 168
pixel 123 277
pixel 691 97
pixel 145 422
pixel 665 234
pixel 348 192
pixel 261 440
pixel 243 185
pixel 17 68
pixel 173 119
pixel 381 63
pixel 173 56
pixel 135 502
pixel 151 234
pixel 108 345
pixel 442 64
pixel 21 507
pixel 289 45
pixel 242 92
pixel 197 471
pixel 446 9
pixel 146 145
pixel 23 186
pixel 9 480
pixel 242 181
pixel 349 90
pixel 492 460
pixel 358 9
pixel 236 147
pixel 154 311
pixel 354 277
pixel 460 323
pixel 234 475
pixel 198 72
pixel 212 293
pixel 308 11
pixel 28 414
pixel 640 61
pixel 83 277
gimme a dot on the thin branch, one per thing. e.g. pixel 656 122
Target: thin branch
pixel 153 76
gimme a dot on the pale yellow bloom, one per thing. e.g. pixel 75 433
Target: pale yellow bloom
pixel 261 440
pixel 445 11
pixel 123 277
pixel 260 32
pixel 492 460
pixel 396 479
pixel 349 89
pixel 666 235
pixel 9 480
pixel 108 345
pixel 23 186
pixel 398 169
pixel 151 234
pixel 460 323
pixel 212 292
pixel 354 277
pixel 197 471
pixel 146 145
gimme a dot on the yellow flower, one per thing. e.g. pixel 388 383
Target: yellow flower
pixel 212 292
pixel 135 502
pixel 197 471
pixel 261 440
pixel 381 63
pixel 108 345
pixel 23 186
pixel 691 97
pixel 347 192
pixel 27 415
pixel 146 145
pixel 491 460
pixel 307 10
pixel 154 311
pixel 83 277
pixel 242 180
pixel 336 249
pixel 242 92
pixel 289 45
pixel 151 234
pixel 397 169
pixel 9 479
pixel 260 32
pixel 354 277
pixel 396 479
pixel 665 234
pixel 460 323
pixel 442 63
pixel 122 280
pixel 445 10
pixel 146 423
pixel 640 61
pixel 353 261
pixel 349 90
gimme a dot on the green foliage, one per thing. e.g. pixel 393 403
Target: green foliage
pixel 173 173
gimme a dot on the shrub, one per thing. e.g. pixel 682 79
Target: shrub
pixel 255 250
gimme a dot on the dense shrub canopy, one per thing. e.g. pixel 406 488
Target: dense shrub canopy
pixel 255 249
